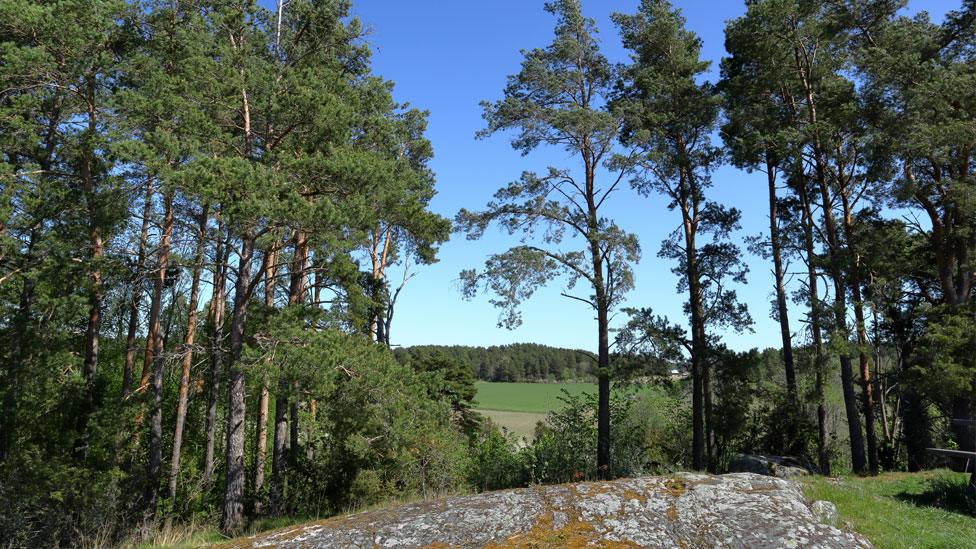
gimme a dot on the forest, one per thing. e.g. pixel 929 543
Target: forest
pixel 515 362
pixel 206 207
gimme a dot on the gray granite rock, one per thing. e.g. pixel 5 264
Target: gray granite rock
pixel 825 511
pixel 685 510
pixel 773 466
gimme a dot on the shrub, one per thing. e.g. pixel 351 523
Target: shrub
pixel 497 461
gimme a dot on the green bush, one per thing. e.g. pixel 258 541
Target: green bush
pixel 399 443
pixel 497 461
pixel 646 435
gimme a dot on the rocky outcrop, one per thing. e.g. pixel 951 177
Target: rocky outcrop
pixel 685 510
pixel 773 466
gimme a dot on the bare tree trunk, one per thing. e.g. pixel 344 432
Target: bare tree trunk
pixel 867 396
pixel 702 446
pixel 387 319
pixel 782 310
pixel 278 450
pixel 136 296
pixel 296 295
pixel 232 515
pixel 217 306
pixel 711 448
pixel 191 329
pixel 816 331
pixel 261 426
pixel 804 72
pixel 603 396
pixel 154 467
pixel 154 330
pixel 260 446
pixel 858 461
pixel 18 348
pixel 294 446
pixel 602 304
pixel 95 291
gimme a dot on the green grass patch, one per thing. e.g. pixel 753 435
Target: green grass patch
pixel 538 398
pixel 902 510
pixel 520 423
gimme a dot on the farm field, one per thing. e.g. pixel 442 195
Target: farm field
pixel 519 423
pixel 536 398
pixel 519 406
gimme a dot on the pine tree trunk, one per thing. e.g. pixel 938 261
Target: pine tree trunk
pixel 858 461
pixel 782 310
pixel 711 446
pixel 135 298
pixel 279 460
pixel 294 447
pixel 702 445
pixel 154 468
pixel 816 331
pixel 833 243
pixel 191 329
pixel 603 437
pixel 260 446
pixel 232 515
pixel 19 345
pixel 217 306
pixel 95 291
pixel 603 398
pixel 154 331
pixel 261 425
pixel 867 396
pixel 700 442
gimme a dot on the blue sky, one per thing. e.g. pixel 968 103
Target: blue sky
pixel 446 57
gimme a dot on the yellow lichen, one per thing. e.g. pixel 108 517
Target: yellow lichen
pixel 575 534
pixel 631 494
pixel 761 489
pixel 676 487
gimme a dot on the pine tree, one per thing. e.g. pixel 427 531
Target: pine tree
pixel 559 99
pixel 669 117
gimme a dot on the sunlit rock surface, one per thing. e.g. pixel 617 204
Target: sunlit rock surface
pixel 685 510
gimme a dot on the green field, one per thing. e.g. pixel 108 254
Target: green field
pixel 521 423
pixel 901 510
pixel 536 398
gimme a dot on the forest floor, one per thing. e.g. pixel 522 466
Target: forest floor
pixel 902 510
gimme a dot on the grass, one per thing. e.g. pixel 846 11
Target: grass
pixel 520 423
pixel 519 406
pixel 536 398
pixel 902 510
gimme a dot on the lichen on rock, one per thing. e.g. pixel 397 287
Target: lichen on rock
pixel 687 510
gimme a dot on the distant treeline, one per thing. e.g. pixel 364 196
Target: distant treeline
pixel 515 362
